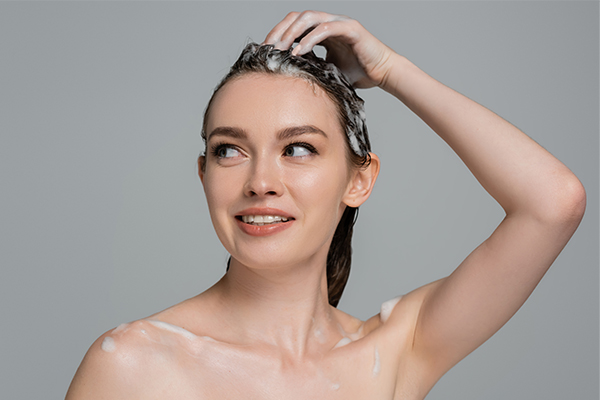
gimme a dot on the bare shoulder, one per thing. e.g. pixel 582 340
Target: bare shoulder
pixel 400 312
pixel 123 363
pixel 394 328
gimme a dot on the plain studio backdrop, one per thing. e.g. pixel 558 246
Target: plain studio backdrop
pixel 103 218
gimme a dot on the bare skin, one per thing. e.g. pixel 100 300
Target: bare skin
pixel 266 330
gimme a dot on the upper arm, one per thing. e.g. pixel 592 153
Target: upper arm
pixel 462 311
pixel 94 378
pixel 103 374
pixel 126 367
pixel 453 316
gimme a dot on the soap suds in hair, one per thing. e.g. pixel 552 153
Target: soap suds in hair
pixel 267 59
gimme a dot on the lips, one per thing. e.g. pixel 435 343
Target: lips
pixel 263 221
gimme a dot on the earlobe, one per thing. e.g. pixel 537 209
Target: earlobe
pixel 201 161
pixel 362 182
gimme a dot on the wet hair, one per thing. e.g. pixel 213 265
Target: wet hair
pixel 266 59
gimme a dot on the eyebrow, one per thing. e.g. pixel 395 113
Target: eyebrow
pixel 228 131
pixel 286 133
pixel 293 131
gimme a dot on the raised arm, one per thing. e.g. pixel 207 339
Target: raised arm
pixel 544 202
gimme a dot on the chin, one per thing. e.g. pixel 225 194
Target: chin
pixel 279 255
pixel 295 246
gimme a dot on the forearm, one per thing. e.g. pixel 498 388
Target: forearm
pixel 521 175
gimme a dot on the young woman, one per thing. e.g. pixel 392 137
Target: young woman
pixel 286 165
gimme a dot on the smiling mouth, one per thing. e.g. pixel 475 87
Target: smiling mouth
pixel 262 219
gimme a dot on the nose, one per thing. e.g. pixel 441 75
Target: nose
pixel 264 179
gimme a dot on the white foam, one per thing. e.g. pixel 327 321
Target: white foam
pixel 377 363
pixel 387 308
pixel 335 386
pixel 108 344
pixel 354 142
pixel 343 341
pixel 290 70
pixel 320 336
pixel 272 64
pixel 356 335
pixel 120 328
pixel 352 336
pixel 173 328
pixel 362 114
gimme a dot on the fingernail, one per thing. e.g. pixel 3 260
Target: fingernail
pixel 296 50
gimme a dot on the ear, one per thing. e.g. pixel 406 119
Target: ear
pixel 361 183
pixel 201 161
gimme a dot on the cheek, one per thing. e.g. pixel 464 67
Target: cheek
pixel 321 186
pixel 218 190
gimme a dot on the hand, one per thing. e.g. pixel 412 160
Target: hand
pixel 361 56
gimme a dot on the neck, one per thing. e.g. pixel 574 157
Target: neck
pixel 287 308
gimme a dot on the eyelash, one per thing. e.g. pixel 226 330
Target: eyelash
pixel 217 147
pixel 307 146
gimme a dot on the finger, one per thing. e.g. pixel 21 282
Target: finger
pixel 333 29
pixel 277 32
pixel 305 21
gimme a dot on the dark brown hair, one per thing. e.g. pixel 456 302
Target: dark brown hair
pixel 265 59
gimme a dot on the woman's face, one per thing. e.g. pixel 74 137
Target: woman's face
pixel 277 153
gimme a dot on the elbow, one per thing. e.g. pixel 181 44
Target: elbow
pixel 575 200
pixel 580 201
pixel 569 203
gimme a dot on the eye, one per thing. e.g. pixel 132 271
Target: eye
pixel 299 150
pixel 225 151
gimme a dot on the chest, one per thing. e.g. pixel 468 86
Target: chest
pixel 354 372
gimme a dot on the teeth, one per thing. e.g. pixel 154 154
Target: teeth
pixel 263 219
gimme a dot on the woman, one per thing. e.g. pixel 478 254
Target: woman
pixel 287 163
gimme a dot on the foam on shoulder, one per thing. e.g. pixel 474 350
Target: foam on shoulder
pixel 108 344
pixel 172 328
pixel 387 308
pixel 343 341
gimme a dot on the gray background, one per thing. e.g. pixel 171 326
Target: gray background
pixel 103 218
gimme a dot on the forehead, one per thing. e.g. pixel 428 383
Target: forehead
pixel 272 101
